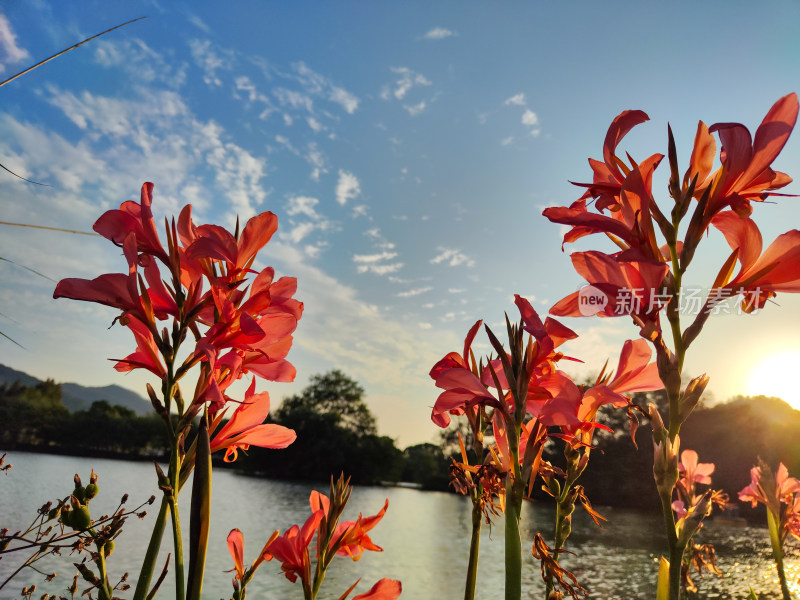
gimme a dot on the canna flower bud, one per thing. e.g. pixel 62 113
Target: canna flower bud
pixel 665 460
pixel 691 396
pixel 659 431
pixel 155 401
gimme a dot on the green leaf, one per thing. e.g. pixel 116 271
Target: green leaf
pixel 201 513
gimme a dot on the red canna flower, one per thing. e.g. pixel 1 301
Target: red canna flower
pixel 291 549
pixel 746 173
pixel 631 284
pixel 634 373
pixel 147 355
pixel 246 427
pixel 136 218
pixel 770 494
pixel 384 589
pixel 761 275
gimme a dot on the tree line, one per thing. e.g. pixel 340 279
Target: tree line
pixel 336 432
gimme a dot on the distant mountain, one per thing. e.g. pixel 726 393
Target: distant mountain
pixel 78 397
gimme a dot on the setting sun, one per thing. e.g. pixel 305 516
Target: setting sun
pixel 777 376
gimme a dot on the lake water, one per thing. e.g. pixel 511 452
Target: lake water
pixel 425 536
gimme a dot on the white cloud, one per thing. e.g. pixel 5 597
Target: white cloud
pixel 140 61
pixel 507 141
pixel 305 206
pixel 244 84
pixel 313 251
pixel 516 100
pixel 425 325
pixel 298 232
pixel 376 263
pixel 360 210
pixel 452 258
pixel 10 52
pixel 318 85
pixel 315 125
pixel 210 60
pixel 347 188
pixel 200 24
pixel 416 109
pixel 414 292
pixel 302 205
pixel 438 33
pixel 529 118
pixel 130 132
pixel 284 141
pixel 456 290
pixel 373 258
pixel 380 269
pixel 407 80
pixel 293 99
pixel 316 159
pixel 344 98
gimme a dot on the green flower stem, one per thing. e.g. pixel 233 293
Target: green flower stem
pixel 474 547
pixel 564 509
pixel 513 541
pixel 777 552
pixel 146 572
pixel 104 591
pixel 172 498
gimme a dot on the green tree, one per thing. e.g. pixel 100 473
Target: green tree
pixel 31 415
pixel 336 433
pixel 334 395
pixel 426 464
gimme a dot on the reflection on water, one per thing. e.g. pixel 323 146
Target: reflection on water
pixel 425 536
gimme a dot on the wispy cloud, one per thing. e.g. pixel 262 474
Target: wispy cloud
pixel 200 24
pixel 414 292
pixel 303 205
pixel 378 263
pixel 244 84
pixel 345 99
pixel 373 258
pixel 382 269
pixel 407 79
pixel 211 60
pixel 316 159
pixel 452 258
pixel 438 33
pixel 347 188
pixel 135 57
pixel 319 85
pixel 516 100
pixel 11 52
pixel 416 109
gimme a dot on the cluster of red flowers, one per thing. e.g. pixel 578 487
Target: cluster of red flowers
pixel 626 212
pixel 334 538
pixel 552 398
pixel 201 282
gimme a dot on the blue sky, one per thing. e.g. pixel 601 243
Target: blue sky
pixel 408 150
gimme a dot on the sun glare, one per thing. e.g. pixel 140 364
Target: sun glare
pixel 777 376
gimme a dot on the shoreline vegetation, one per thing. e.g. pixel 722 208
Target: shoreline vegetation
pixel 340 432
